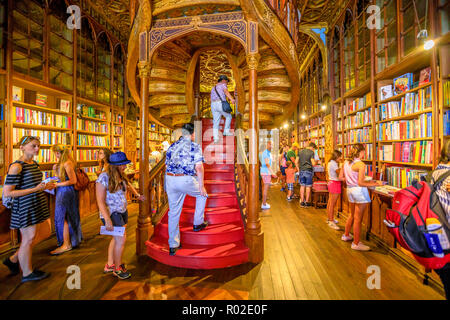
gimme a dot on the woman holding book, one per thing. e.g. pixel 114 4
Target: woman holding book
pixel 67 214
pixel 357 193
pixel 111 187
pixel 103 156
pixel 29 211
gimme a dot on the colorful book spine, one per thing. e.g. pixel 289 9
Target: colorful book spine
pixel 446 123
pixel 34 117
pixel 46 137
pixel 406 129
pixel 92 126
pixel 362 135
pixel 87 155
pixel 418 152
pixel 88 140
pixel 402 177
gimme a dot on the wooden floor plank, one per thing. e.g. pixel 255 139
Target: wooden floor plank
pixel 304 259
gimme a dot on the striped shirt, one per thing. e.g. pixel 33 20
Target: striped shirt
pixel 442 193
pixel 32 208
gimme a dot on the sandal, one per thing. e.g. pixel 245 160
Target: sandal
pixel 54 253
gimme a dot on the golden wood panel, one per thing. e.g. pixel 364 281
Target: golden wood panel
pixel 167 73
pixel 180 119
pixel 277 81
pixel 264 118
pixel 274 96
pixel 267 107
pixel 328 137
pixel 161 6
pixel 164 99
pixel 168 111
pixel 145 291
pixel 160 86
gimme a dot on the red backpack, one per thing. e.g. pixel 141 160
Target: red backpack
pixel 406 221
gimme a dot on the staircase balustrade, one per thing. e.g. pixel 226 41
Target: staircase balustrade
pixel 288 13
pixel 156 194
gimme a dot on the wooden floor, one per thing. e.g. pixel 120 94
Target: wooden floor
pixel 304 259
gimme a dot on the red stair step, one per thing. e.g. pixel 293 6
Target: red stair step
pixel 220 166
pixel 212 215
pixel 211 235
pixel 199 257
pixel 217 174
pixel 219 186
pixel 214 200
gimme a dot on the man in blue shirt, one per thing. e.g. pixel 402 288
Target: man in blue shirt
pixel 184 175
pixel 266 173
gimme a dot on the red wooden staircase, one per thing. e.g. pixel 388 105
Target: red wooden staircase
pixel 221 244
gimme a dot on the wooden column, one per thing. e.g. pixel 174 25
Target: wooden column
pixel 197 90
pixel 434 78
pixel 254 237
pixel 144 228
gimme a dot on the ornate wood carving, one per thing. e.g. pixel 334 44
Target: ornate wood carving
pixel 328 121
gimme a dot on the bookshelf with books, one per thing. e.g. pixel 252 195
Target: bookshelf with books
pixel 42 112
pixel 405 126
pixel 117 130
pixel 3 105
pixel 92 130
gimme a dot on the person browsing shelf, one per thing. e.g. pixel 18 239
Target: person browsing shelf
pixel 357 194
pixel 283 166
pixel 67 214
pixel 334 187
pixel 306 161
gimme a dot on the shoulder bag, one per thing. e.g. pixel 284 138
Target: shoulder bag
pixel 225 105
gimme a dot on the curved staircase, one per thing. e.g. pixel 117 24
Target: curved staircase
pixel 221 244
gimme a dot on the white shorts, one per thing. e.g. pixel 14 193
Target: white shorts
pixel 358 195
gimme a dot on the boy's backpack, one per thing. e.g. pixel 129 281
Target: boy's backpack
pixel 407 219
pixel 82 179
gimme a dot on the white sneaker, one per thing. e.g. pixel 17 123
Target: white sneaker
pixel 266 206
pixel 216 140
pixel 360 246
pixel 333 225
pixel 228 134
pixel 335 221
pixel 345 238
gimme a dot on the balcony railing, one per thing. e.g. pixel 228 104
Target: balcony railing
pixel 288 13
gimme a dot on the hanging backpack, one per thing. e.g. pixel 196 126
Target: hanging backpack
pixel 82 179
pixel 419 223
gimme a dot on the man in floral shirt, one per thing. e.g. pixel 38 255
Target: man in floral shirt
pixel 184 175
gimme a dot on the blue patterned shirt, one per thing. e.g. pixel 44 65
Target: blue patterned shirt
pixel 182 156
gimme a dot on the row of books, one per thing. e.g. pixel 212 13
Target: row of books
pixel 446 93
pixel 339 125
pixel 117 141
pixel 362 135
pixel 406 129
pixel 402 177
pixel 408 152
pixel 46 137
pixel 164 130
pixel 118 130
pixel 2 112
pixel 317 132
pixel 91 112
pixel 92 126
pixel 368 170
pixel 44 155
pixel 447 123
pixel 359 119
pixel 117 118
pixel 404 83
pixel 83 155
pixel 318 141
pixel 88 140
pixel 315 121
pixel 90 169
pixel 40 118
pixel 357 104
pixel 409 103
pixel 156 136
pixel 47 174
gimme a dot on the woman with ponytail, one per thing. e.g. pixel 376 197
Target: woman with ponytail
pixel 103 157
pixel 67 214
pixel 357 193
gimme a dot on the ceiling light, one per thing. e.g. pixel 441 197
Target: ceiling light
pixel 286 125
pixel 324 107
pixel 428 44
pixel 303 116
pixel 423 36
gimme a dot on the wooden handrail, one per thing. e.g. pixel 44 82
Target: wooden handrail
pixel 156 194
pixel 241 172
pixel 290 21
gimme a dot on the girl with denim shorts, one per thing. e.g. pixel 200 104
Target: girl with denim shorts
pixel 290 179
pixel 357 193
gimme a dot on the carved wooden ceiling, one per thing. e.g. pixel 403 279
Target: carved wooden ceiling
pixel 214 63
